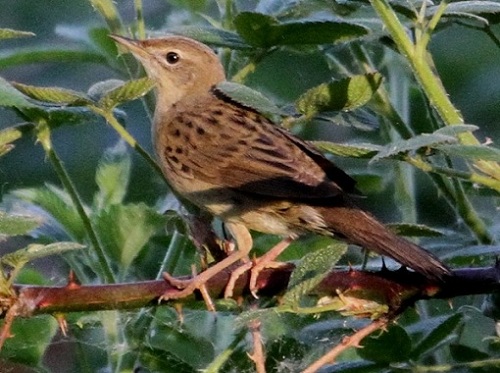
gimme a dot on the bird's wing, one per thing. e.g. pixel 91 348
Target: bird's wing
pixel 237 148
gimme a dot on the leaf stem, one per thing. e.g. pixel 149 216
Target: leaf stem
pixel 125 135
pixel 422 66
pixel 44 137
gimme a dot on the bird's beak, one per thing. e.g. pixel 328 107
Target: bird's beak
pixel 133 46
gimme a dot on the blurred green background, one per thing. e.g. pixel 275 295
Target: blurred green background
pixel 466 59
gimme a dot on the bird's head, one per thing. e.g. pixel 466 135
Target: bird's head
pixel 180 67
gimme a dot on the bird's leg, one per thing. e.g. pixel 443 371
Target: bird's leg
pixel 256 266
pixel 244 241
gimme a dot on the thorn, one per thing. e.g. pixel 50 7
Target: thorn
pixel 73 282
pixel 384 266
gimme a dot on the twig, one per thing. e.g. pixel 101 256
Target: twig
pixel 258 355
pixel 351 341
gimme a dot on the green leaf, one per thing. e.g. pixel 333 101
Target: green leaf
pixel 128 91
pixel 7 33
pixel 54 95
pixel 48 54
pixel 348 150
pixel 37 251
pixel 32 337
pixel 464 354
pixel 414 230
pixel 313 267
pixel 212 36
pixel 7 136
pixel 265 31
pixel 437 335
pixel 346 94
pixel 473 252
pixel 125 229
pixel 11 97
pixel 57 203
pixel 456 129
pixel 194 350
pixel 399 147
pixel 391 346
pixel 250 98
pixel 489 10
pixel 13 225
pixel 112 176
pixel 471 152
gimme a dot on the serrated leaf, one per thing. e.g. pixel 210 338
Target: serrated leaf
pixel 58 204
pixel 125 229
pixel 250 98
pixel 456 129
pixel 312 269
pixel 128 91
pixel 14 225
pixel 55 95
pixel 467 18
pixel 7 33
pixel 392 346
pixel 265 31
pixel 348 150
pixel 11 97
pixel 346 94
pixel 37 251
pixel 212 36
pixel 436 336
pixel 112 176
pixel 415 143
pixel 487 9
pixel 414 230
pixel 474 152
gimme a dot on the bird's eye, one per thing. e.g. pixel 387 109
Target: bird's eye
pixel 172 58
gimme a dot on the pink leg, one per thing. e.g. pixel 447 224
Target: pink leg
pixel 244 241
pixel 255 267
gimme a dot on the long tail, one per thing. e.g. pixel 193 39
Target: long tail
pixel 361 228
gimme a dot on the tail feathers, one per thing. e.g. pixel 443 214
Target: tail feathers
pixel 361 228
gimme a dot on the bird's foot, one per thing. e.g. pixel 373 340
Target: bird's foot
pixel 187 287
pixel 256 266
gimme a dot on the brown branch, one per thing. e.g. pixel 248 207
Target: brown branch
pixel 397 289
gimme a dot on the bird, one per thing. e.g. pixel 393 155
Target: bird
pixel 233 162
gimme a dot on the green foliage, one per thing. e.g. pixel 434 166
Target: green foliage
pixel 264 31
pixel 11 225
pixel 249 98
pixel 12 97
pixel 313 267
pixel 353 62
pixel 344 95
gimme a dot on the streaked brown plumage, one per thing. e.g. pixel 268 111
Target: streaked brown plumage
pixel 232 161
